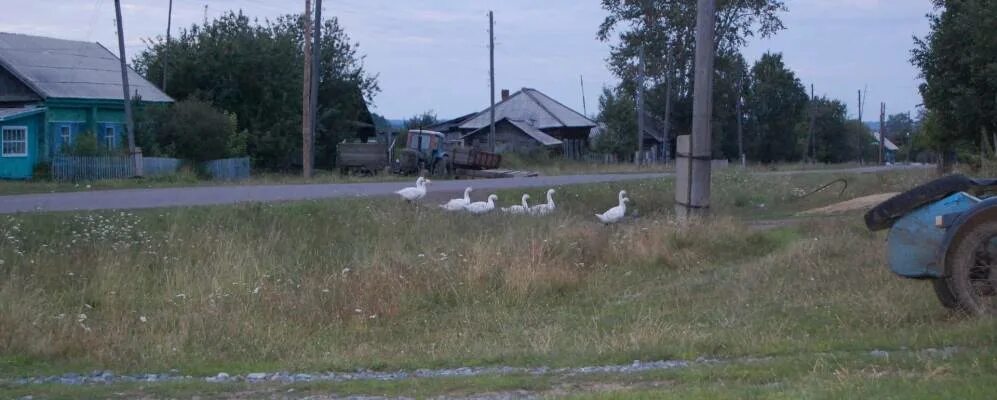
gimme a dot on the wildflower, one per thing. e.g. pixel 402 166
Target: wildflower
pixel 143 318
pixel 346 270
pixel 257 290
pixel 80 318
pixel 357 310
pixel 421 255
pixel 325 290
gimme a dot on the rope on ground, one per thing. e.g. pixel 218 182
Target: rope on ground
pixel 844 187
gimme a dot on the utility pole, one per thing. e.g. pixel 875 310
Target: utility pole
pixel 812 141
pixel 316 78
pixel 692 194
pixel 882 131
pixel 740 129
pixel 859 145
pixel 306 97
pixel 668 112
pixel 640 109
pixel 166 53
pixel 491 75
pixel 205 14
pixel 585 109
pixel 129 124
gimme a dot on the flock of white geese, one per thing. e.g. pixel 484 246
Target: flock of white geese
pixel 464 204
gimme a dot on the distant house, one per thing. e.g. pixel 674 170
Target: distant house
pixel 52 91
pixel 529 120
pixel 451 128
pixel 889 148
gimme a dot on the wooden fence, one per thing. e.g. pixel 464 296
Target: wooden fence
pixel 84 168
pixel 228 169
pixel 81 168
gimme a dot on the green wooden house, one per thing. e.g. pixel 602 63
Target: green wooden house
pixel 52 91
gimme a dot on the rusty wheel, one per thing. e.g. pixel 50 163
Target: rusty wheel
pixel 972 277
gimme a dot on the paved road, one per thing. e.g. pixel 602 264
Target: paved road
pixel 214 195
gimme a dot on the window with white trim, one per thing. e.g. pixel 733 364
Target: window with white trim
pixel 66 134
pixel 14 141
pixel 109 136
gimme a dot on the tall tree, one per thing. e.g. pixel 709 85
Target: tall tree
pixel 422 121
pixel 254 70
pixel 958 61
pixel 776 103
pixel 899 127
pixel 617 110
pixel 833 140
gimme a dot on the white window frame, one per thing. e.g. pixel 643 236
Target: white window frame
pixel 4 141
pixel 109 137
pixel 66 133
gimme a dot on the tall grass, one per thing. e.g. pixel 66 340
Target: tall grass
pixel 358 283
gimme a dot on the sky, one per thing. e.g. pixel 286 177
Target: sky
pixel 433 54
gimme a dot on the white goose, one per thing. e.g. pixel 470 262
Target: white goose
pixel 482 207
pixel 519 209
pixel 411 194
pixel 458 204
pixel 615 214
pixel 544 209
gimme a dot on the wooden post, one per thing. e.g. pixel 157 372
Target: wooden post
pixel 882 133
pixel 811 140
pixel 166 52
pixel 692 195
pixel 861 146
pixel 668 115
pixel 306 96
pixel 129 123
pixel 740 130
pixel 640 107
pixel 491 75
pixel 316 78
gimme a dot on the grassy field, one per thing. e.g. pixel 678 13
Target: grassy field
pixel 347 284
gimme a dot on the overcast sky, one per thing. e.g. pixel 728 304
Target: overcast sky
pixel 433 54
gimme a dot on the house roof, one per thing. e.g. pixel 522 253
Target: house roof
pixel 886 143
pixel 531 105
pixel 526 128
pixel 11 113
pixel 451 123
pixel 57 68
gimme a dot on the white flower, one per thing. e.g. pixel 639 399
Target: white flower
pixel 325 290
pixel 357 310
pixel 143 318
pixel 421 255
pixel 346 270
pixel 81 317
pixel 257 290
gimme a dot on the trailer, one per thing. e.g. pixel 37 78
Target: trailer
pixel 361 158
pixel 945 231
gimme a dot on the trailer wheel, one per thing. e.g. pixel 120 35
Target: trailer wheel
pixel 886 213
pixel 944 293
pixel 972 277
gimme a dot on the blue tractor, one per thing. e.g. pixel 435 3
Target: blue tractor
pixel 945 231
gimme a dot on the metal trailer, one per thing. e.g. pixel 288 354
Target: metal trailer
pixel 945 231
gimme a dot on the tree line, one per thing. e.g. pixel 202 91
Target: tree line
pixel 776 107
pixel 238 83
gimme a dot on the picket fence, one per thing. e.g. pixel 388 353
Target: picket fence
pixel 93 168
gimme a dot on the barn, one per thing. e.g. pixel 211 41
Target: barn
pixel 529 120
pixel 52 91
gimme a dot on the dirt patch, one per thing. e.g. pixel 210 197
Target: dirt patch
pixel 858 203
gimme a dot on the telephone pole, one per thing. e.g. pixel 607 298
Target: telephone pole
pixel 740 129
pixel 882 131
pixel 692 194
pixel 491 75
pixel 166 52
pixel 129 124
pixel 812 141
pixel 640 108
pixel 316 78
pixel 859 131
pixel 585 109
pixel 306 97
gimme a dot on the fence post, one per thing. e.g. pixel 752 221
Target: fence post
pixel 137 163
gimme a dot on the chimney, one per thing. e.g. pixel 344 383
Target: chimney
pixel 505 94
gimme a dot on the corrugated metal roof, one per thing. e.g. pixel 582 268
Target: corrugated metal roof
pixel 889 145
pixel 10 113
pixel 57 68
pixel 536 134
pixel 532 106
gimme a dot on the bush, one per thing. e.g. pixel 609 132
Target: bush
pixel 190 129
pixel 85 145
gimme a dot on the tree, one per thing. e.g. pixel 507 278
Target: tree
pixel 899 127
pixel 617 110
pixel 422 121
pixel 254 70
pixel 958 61
pixel 834 141
pixel 665 29
pixel 776 103
pixel 192 130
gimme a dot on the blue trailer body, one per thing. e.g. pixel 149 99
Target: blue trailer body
pixel 915 241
